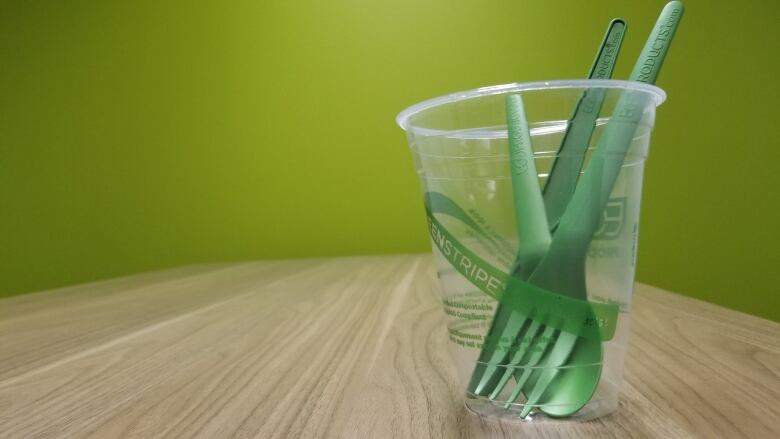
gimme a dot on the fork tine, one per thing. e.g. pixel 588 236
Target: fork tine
pixel 490 352
pixel 518 387
pixel 513 325
pixel 561 350
pixel 517 358
pixel 537 350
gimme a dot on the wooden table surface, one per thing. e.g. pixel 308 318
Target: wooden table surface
pixel 341 348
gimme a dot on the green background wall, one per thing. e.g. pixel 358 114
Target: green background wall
pixel 147 134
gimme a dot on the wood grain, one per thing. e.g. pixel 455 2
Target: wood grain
pixel 340 348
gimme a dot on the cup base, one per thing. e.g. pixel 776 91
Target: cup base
pixel 484 407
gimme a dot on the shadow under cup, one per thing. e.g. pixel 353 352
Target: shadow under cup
pixel 460 148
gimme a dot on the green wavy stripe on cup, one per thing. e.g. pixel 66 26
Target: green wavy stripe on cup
pixel 576 316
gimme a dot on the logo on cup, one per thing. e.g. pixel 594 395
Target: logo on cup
pixel 612 219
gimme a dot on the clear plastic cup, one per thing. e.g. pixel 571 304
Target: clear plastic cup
pixel 460 148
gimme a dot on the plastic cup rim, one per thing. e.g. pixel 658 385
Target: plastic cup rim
pixel 659 96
